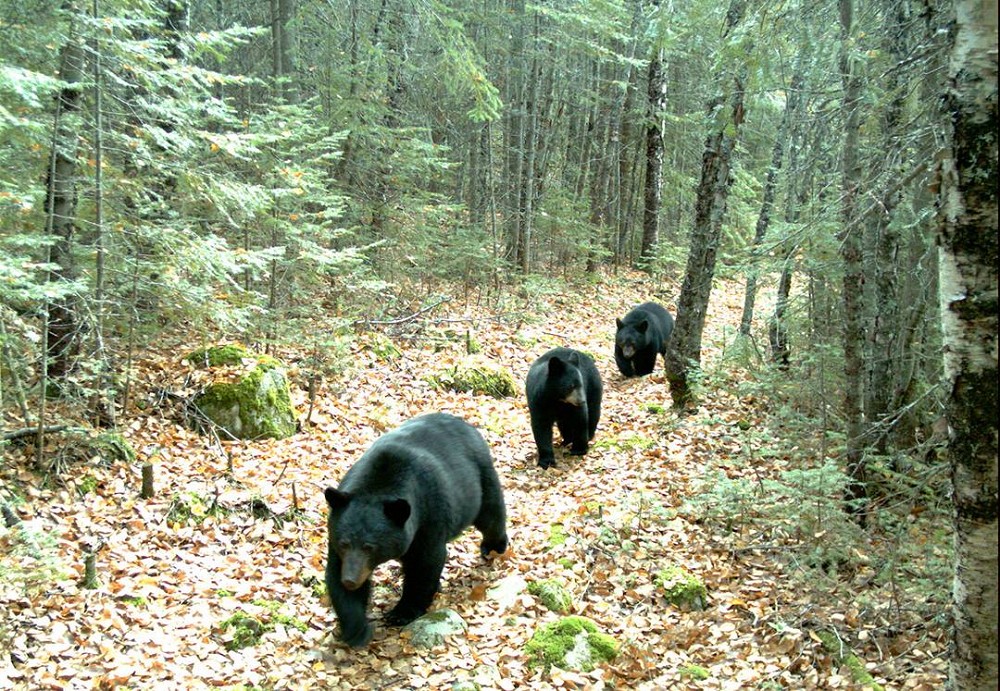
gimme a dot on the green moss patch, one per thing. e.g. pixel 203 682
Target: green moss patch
pixel 626 442
pixel 682 589
pixel 696 672
pixel 846 658
pixel 185 507
pixel 570 643
pixel 557 535
pixel 553 595
pixel 478 377
pixel 243 630
pixel 230 354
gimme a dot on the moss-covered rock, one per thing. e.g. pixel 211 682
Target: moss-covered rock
pixel 229 354
pixel 256 404
pixel 572 643
pixel 477 376
pixel 553 595
pixel 682 589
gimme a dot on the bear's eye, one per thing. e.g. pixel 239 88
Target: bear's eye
pixel 368 547
pixel 343 545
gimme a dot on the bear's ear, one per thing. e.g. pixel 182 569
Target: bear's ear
pixel 335 498
pixel 556 366
pixel 619 323
pixel 642 326
pixel 397 511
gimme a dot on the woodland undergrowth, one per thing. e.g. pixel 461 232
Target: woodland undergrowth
pixel 743 492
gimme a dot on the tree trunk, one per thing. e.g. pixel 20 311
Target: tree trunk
pixel 885 353
pixel 656 95
pixel 64 328
pixel 684 347
pixel 514 135
pixel 767 201
pixel 967 236
pixel 851 256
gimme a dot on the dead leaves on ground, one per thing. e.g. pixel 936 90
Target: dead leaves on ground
pixel 169 580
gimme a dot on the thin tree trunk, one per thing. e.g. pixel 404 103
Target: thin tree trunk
pixel 527 185
pixel 767 201
pixel 884 358
pixel 103 408
pixel 514 135
pixel 64 328
pixel 851 256
pixel 684 347
pixel 967 236
pixel 656 96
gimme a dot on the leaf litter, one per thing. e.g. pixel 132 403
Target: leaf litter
pixel 168 582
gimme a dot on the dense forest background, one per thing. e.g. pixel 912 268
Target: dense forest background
pixel 293 173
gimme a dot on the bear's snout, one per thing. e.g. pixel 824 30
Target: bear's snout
pixel 351 584
pixel 355 570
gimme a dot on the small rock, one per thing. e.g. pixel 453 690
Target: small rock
pixel 433 628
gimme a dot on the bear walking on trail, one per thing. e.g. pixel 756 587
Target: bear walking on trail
pixel 563 388
pixel 642 334
pixel 416 488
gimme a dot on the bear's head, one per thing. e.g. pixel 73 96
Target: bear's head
pixel 366 531
pixel 565 380
pixel 631 337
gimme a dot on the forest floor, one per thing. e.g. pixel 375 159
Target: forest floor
pixel 604 524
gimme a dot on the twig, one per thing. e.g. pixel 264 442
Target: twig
pixel 30 431
pixel 400 320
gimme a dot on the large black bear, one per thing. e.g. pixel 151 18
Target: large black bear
pixel 642 334
pixel 416 488
pixel 564 388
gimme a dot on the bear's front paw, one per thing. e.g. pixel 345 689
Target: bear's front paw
pixel 493 547
pixel 546 461
pixel 357 637
pixel 402 615
pixel 578 449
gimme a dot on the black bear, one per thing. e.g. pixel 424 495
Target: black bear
pixel 416 488
pixel 642 334
pixel 564 388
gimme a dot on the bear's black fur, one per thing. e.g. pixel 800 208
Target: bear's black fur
pixel 416 488
pixel 642 334
pixel 564 388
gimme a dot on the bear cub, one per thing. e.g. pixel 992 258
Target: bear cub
pixel 642 334
pixel 563 388
pixel 415 489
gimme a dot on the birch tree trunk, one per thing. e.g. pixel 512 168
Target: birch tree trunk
pixel 967 236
